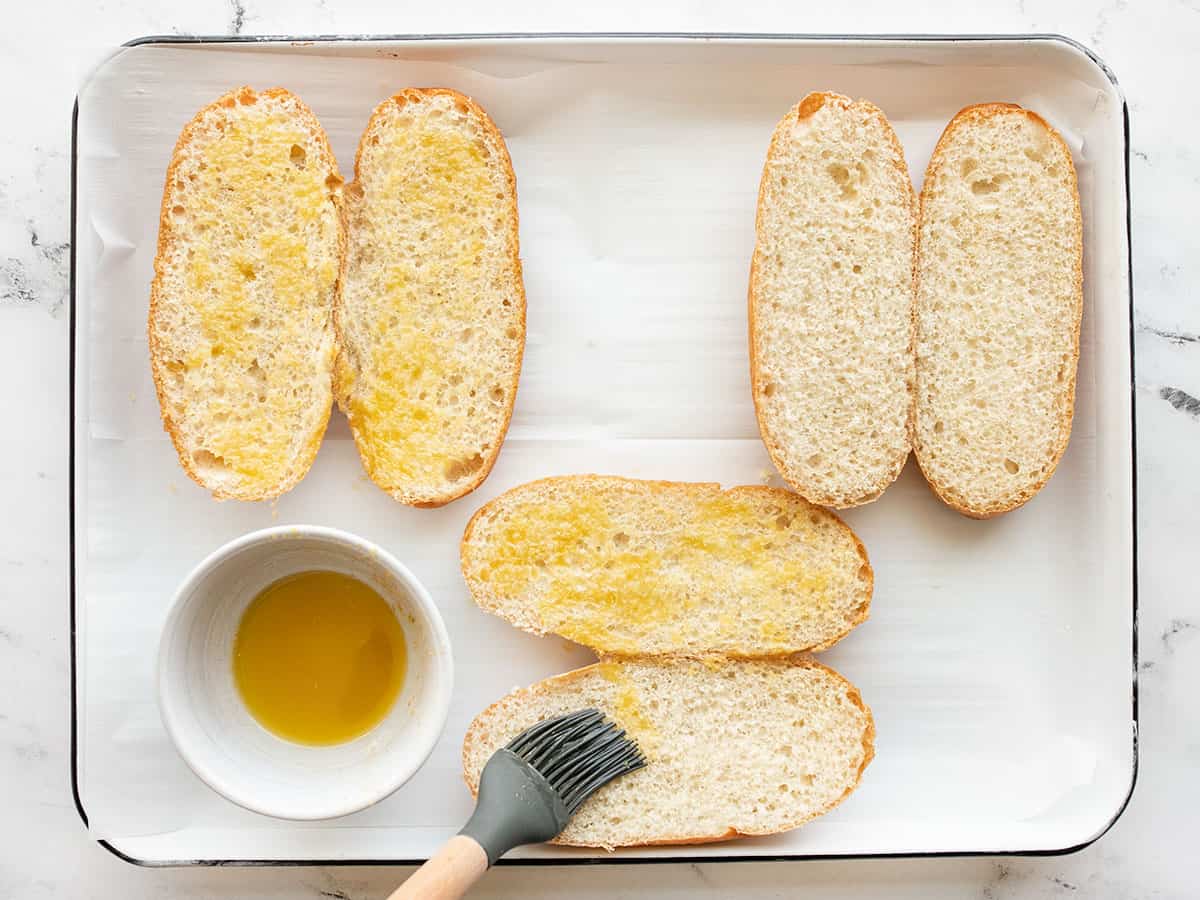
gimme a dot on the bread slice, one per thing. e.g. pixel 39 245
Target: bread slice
pixel 831 301
pixel 734 747
pixel 658 567
pixel 999 300
pixel 241 340
pixel 431 321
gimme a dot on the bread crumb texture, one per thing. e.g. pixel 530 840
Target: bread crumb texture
pixel 640 567
pixel 240 326
pixel 432 316
pixel 734 747
pixel 1000 294
pixel 831 301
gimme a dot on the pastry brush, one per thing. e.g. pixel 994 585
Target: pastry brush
pixel 528 791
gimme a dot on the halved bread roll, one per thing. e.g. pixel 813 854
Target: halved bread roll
pixel 831 301
pixel 999 301
pixel 733 747
pixel 431 320
pixel 240 332
pixel 658 567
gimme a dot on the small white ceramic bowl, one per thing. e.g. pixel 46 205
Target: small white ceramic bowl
pixel 217 736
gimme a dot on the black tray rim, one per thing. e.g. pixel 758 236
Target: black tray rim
pixel 649 36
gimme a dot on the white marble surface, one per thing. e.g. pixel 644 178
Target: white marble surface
pixel 46 50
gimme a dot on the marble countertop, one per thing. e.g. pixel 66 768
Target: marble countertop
pixel 46 51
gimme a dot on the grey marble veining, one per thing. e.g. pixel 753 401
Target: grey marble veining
pixel 46 50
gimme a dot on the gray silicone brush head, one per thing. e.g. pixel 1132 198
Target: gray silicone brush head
pixel 529 790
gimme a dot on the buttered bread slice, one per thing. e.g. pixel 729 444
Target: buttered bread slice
pixel 655 567
pixel 240 325
pixel 431 321
pixel 831 301
pixel 733 747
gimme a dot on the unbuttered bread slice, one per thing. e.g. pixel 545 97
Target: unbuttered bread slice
pixel 240 330
pixel 431 321
pixel 1000 295
pixel 831 301
pixel 733 747
pixel 658 567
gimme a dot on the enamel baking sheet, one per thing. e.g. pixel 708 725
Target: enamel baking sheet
pixel 999 658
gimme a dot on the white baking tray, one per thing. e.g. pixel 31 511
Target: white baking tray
pixel 999 659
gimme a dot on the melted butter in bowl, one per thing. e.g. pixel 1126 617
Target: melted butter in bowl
pixel 319 658
pixel 304 672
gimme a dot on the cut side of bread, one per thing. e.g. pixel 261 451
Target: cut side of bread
pixel 831 301
pixel 240 331
pixel 431 320
pixel 733 747
pixel 656 567
pixel 999 301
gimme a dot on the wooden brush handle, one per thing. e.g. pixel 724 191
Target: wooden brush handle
pixel 448 874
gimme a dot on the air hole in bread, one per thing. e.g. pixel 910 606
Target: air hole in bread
pixel 333 182
pixel 465 335
pixel 297 156
pixel 462 468
pixel 988 185
pixel 856 269
pixel 841 177
pixel 769 389
pixel 1011 466
pixel 968 166
pixel 939 427
pixel 202 459
pixel 354 191
pixel 512 333
pixel 256 372
pixel 814 460
pixel 178 211
pixel 621 539
pixel 496 394
pixel 782 522
pixel 454 379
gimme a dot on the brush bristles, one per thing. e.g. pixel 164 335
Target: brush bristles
pixel 578 753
